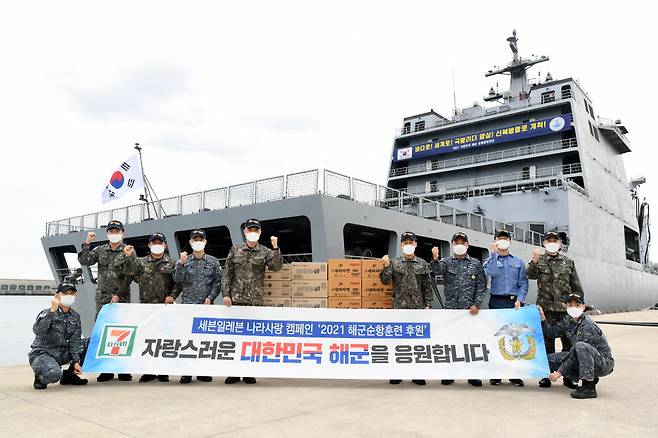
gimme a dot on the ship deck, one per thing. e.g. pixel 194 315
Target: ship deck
pixel 289 407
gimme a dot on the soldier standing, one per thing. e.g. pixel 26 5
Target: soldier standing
pixel 509 284
pixel 411 281
pixel 200 278
pixel 244 277
pixel 113 284
pixel 556 277
pixel 590 356
pixel 58 341
pixel 154 274
pixel 465 283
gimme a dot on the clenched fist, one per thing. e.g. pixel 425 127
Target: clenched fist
pixel 275 242
pixel 387 261
pixel 435 253
pixel 129 250
pixel 90 237
pixel 535 254
pixel 183 258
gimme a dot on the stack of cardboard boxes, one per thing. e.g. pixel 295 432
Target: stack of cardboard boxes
pixel 340 283
pixel 309 284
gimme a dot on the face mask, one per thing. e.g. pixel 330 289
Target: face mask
pixel 460 249
pixel 503 245
pixel 157 249
pixel 198 245
pixel 574 312
pixel 67 300
pixel 115 238
pixel 552 247
pixel 252 236
pixel 408 249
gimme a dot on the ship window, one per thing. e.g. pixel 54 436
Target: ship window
pixel 548 96
pixel 219 241
pixel 38 287
pixel 407 128
pixel 21 287
pixel 419 126
pixel 591 128
pixel 46 288
pixel 13 287
pixel 141 244
pixel 632 245
pixel 65 259
pixel 30 287
pixel 566 91
pixel 591 111
pixel 294 237
pixel 367 242
pixel 596 133
pixel 4 287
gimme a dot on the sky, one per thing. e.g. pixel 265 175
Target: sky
pixel 219 93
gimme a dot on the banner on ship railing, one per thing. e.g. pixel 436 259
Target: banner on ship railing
pixel 317 343
pixel 519 131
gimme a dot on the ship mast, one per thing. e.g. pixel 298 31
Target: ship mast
pixel 519 87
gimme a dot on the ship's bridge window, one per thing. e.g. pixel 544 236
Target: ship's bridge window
pixel 566 91
pixel 548 96
pixel 419 126
pixel 406 129
pixel 294 237
pixel 219 241
pixel 360 241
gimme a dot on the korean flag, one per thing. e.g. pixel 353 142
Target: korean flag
pixel 128 176
pixel 404 153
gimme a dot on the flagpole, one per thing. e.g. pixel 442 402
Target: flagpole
pixel 146 192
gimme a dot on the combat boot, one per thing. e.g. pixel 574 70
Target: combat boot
pixel 71 378
pixel 587 389
pixel 37 383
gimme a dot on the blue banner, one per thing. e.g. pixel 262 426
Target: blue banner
pixel 520 131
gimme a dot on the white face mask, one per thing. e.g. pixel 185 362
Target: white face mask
pixel 408 249
pixel 552 247
pixel 460 249
pixel 115 237
pixel 67 300
pixel 198 245
pixel 252 236
pixel 157 249
pixel 574 312
pixel 503 244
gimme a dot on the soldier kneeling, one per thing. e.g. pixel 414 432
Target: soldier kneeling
pixel 589 357
pixel 58 341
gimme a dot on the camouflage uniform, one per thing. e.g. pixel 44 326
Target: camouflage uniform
pixel 155 278
pixel 57 342
pixel 556 277
pixel 464 280
pixel 244 276
pixel 112 278
pixel 590 355
pixel 411 282
pixel 200 278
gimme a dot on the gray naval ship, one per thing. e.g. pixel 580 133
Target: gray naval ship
pixel 534 158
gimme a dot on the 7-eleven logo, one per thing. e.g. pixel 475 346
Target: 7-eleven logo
pixel 117 340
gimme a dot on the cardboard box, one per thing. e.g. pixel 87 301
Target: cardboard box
pixel 309 302
pixel 344 287
pixel 309 271
pixel 277 302
pixel 370 269
pixel 376 303
pixel 376 289
pixel 309 288
pixel 344 303
pixel 278 284
pixel 344 268
pixel 285 274
pixel 277 293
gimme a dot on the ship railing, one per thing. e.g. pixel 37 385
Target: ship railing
pixel 265 190
pixel 431 166
pixel 345 187
pixel 467 113
pixel 526 176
